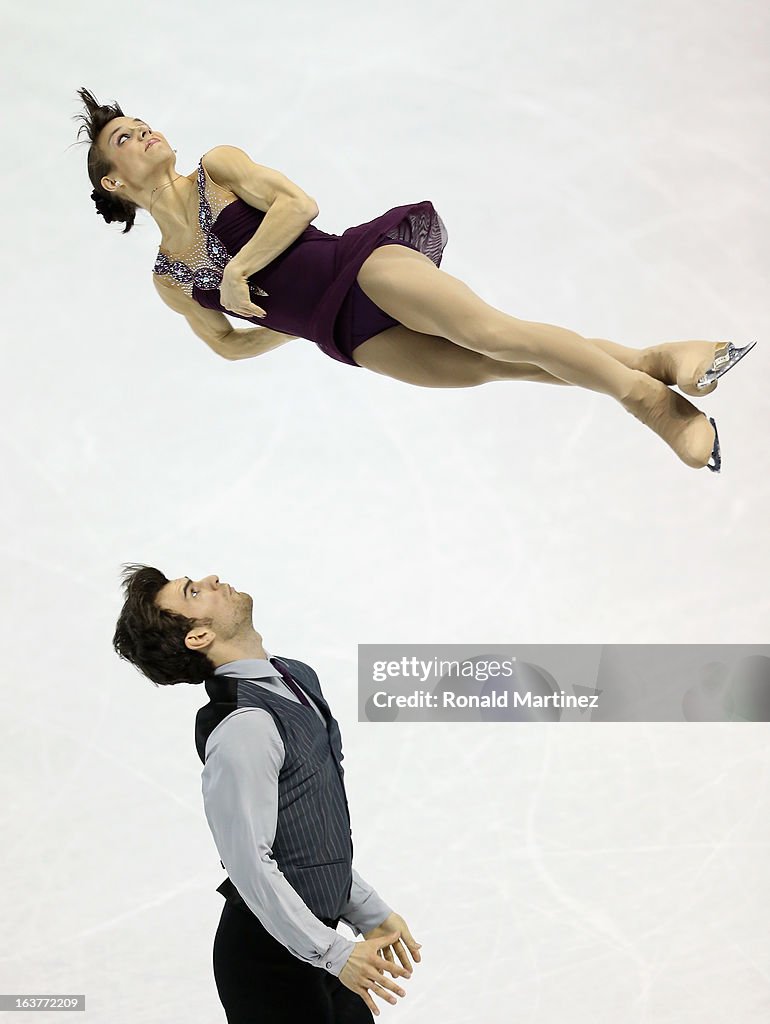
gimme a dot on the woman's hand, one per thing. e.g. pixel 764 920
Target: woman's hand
pixel 234 293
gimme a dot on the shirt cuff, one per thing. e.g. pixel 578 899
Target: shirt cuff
pixel 337 955
pixel 368 914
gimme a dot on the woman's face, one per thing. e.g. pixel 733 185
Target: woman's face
pixel 136 152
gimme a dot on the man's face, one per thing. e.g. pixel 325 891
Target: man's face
pixel 227 610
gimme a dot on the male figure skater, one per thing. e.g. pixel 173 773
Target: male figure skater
pixel 275 800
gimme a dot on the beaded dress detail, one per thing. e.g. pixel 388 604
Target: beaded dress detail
pixel 310 289
pixel 205 262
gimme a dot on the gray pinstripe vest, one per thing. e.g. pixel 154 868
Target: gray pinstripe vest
pixel 313 846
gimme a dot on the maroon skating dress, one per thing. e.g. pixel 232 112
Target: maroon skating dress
pixel 311 286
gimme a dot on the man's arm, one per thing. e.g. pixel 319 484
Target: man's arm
pixel 244 755
pixel 365 909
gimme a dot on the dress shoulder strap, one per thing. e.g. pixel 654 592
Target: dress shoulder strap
pixel 205 259
pixel 217 196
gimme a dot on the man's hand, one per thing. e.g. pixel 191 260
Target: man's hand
pixel 365 969
pixel 403 947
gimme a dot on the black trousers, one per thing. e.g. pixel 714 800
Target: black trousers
pixel 260 982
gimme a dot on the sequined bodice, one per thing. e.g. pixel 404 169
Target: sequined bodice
pixel 203 263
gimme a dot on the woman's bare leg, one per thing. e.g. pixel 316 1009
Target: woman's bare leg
pixel 408 286
pixel 429 361
pixel 432 362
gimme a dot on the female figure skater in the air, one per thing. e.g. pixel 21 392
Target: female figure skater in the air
pixel 237 238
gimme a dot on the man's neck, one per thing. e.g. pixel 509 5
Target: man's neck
pixel 238 650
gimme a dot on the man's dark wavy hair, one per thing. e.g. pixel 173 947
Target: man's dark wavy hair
pixel 96 116
pixel 152 638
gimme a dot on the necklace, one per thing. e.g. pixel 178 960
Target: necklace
pixel 161 187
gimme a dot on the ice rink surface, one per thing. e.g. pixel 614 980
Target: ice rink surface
pixel 601 166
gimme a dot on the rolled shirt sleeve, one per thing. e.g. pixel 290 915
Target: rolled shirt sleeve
pixel 365 909
pixel 244 755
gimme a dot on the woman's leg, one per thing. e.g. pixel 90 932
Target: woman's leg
pixel 432 362
pixel 409 287
pixel 671 362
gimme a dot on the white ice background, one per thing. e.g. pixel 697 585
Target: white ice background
pixel 599 165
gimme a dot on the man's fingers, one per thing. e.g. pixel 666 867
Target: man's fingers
pixel 391 967
pixel 381 987
pixel 380 990
pixel 364 993
pixel 379 980
pixel 403 956
pixel 411 944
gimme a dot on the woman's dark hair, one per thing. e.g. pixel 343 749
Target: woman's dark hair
pixel 152 638
pixel 97 115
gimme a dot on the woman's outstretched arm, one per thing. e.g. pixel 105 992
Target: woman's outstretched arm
pixel 215 329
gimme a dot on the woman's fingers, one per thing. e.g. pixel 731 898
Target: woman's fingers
pixel 249 310
pixel 236 296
